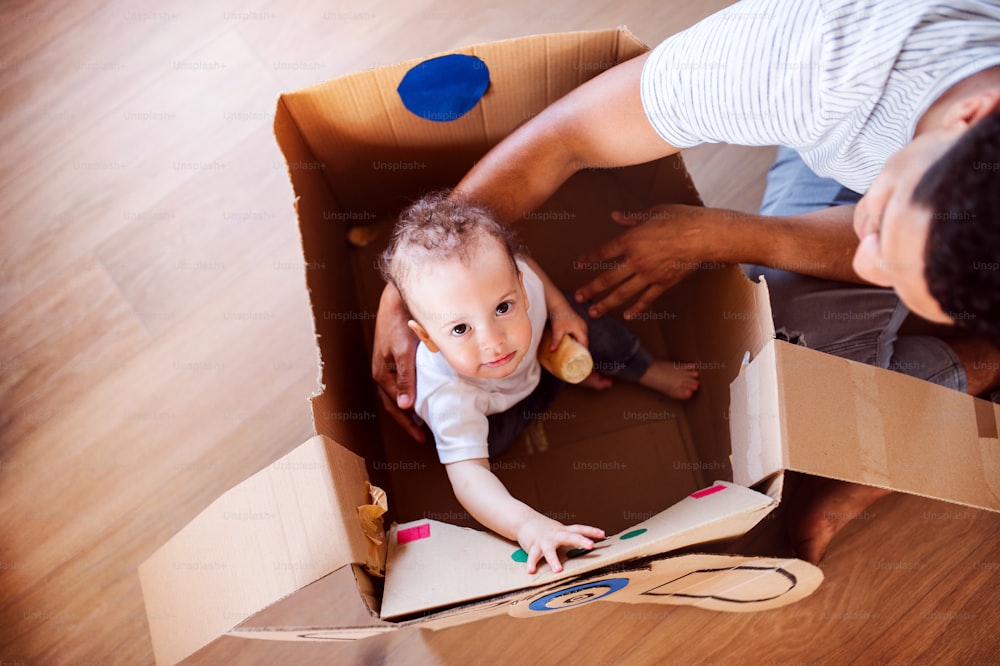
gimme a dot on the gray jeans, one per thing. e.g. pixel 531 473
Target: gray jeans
pixel 616 351
pixel 854 321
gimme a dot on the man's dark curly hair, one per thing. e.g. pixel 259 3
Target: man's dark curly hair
pixel 962 257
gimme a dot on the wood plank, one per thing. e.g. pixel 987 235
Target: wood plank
pixel 172 257
pixel 61 339
pixel 94 182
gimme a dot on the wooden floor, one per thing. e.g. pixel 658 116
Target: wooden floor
pixel 156 342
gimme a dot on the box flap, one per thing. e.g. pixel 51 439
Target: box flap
pixel 286 526
pixel 345 597
pixel 732 583
pixel 831 417
pixel 376 154
pixel 340 410
pixel 754 423
pixel 723 315
pixel 433 564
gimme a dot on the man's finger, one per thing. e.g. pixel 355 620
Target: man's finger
pixel 626 219
pixel 382 373
pixel 403 418
pixel 622 294
pixel 602 282
pixel 405 381
pixel 613 248
pixel 633 219
pixel 645 300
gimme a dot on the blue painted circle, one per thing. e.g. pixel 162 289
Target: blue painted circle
pixel 445 88
pixel 613 585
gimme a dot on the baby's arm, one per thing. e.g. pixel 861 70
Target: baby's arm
pixel 564 320
pixel 487 500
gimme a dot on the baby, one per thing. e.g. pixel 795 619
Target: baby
pixel 479 306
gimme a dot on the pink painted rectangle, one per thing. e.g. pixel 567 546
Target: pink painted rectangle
pixel 707 491
pixel 414 533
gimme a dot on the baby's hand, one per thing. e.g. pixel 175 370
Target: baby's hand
pixel 565 321
pixel 541 537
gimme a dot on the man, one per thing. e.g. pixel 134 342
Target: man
pixel 898 100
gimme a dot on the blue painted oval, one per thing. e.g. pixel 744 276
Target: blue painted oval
pixel 445 88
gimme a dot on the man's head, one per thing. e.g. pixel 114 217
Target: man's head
pixel 930 223
pixel 962 255
pixel 454 265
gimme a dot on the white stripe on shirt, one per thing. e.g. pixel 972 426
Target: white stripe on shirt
pixel 844 82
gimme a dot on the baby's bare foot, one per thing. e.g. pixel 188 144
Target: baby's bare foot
pixel 674 380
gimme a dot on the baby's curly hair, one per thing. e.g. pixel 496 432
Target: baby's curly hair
pixel 962 255
pixel 437 227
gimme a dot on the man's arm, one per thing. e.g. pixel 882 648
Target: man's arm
pixel 487 500
pixel 667 242
pixel 601 123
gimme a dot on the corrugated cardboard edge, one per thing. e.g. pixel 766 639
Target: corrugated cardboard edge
pixel 348 595
pixel 755 421
pixel 326 269
pixel 281 529
pixel 295 150
pixel 627 45
pixel 799 409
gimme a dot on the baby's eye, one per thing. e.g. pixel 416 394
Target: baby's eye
pixel 460 329
pixel 504 307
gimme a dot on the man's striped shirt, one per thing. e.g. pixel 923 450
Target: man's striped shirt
pixel 844 82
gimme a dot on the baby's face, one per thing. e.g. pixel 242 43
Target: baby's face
pixel 476 314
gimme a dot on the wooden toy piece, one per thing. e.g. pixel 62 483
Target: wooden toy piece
pixel 570 362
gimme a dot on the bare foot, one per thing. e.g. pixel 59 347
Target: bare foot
pixel 675 380
pixel 820 508
pixel 981 361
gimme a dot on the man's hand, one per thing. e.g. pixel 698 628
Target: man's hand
pixel 541 536
pixel 393 361
pixel 663 245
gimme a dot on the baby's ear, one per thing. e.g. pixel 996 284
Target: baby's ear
pixel 520 277
pixel 422 334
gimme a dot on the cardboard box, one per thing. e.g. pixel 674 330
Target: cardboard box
pixel 283 555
